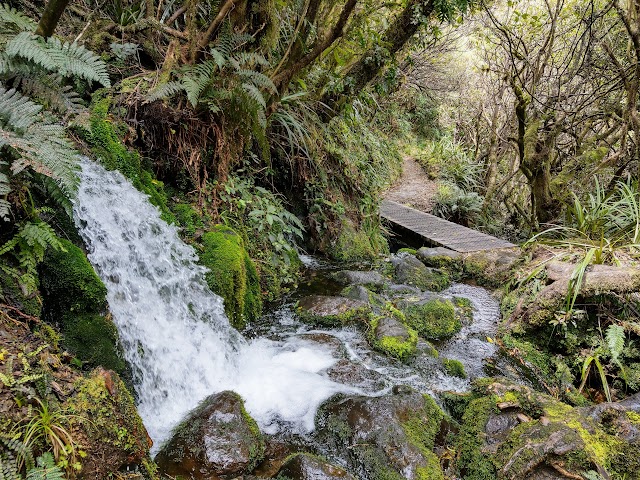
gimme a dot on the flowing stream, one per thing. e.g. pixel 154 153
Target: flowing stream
pixel 181 347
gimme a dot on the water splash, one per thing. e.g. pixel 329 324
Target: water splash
pixel 175 334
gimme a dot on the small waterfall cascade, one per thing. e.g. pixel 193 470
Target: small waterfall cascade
pixel 173 328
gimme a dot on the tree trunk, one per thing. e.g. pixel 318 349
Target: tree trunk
pixel 394 38
pixel 50 16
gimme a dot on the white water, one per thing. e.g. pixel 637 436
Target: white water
pixel 173 329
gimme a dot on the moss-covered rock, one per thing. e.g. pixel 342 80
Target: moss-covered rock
pixel 391 337
pixel 433 319
pixel 354 244
pixel 107 425
pixel 388 437
pixel 514 432
pixel 306 466
pixel 75 300
pixel 453 367
pixel 492 268
pixel 232 275
pixel 331 311
pixel 411 271
pixel 217 439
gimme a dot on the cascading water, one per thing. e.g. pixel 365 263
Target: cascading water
pixel 173 329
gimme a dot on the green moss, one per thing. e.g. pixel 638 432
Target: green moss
pixel 69 283
pixel 454 368
pixel 536 364
pixel 93 338
pixel 473 464
pixel 433 319
pixel 105 139
pixel 12 294
pixel 187 218
pixel 421 430
pixel 410 251
pixel 357 244
pixel 232 275
pixel 456 403
pixel 396 347
pixel 351 316
pixel 75 300
pixel 106 412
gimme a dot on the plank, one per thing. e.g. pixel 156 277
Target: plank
pixel 439 231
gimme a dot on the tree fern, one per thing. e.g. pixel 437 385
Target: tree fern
pixel 11 20
pixel 66 59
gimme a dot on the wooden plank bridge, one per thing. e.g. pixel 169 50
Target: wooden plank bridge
pixel 439 231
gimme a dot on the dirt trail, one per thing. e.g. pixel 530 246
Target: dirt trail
pixel 414 188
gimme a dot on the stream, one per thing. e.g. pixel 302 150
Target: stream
pixel 181 347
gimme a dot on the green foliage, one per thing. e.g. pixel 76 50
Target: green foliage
pixel 472 463
pixel 232 275
pixel 27 249
pixel 13 20
pixel 455 204
pixel 270 230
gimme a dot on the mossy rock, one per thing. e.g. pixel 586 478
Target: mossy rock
pixel 69 283
pixel 12 294
pixel 93 339
pixel 357 244
pixel 514 432
pixel 389 336
pixel 331 311
pixel 75 300
pixel 454 368
pixel 107 425
pixel 232 275
pixel 187 218
pixel 433 319
pixel 409 270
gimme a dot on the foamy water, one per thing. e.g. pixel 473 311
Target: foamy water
pixel 175 334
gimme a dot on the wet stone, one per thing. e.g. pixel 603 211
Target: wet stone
pixel 371 279
pixel 304 466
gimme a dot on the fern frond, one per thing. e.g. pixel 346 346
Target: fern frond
pixel 615 341
pixel 46 469
pixel 255 94
pixel 67 59
pixel 250 58
pixel 259 80
pixel 163 91
pixel 17 112
pixel 48 90
pixel 14 20
pixel 5 189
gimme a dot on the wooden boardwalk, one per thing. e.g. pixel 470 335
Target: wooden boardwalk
pixel 439 231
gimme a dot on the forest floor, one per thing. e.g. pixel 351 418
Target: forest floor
pixel 414 187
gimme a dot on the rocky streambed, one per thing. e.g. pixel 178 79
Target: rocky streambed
pixel 413 351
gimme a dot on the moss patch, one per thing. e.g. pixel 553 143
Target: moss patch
pixel 454 368
pixel 232 275
pixel 75 299
pixel 433 319
pixel 357 244
pixel 472 462
pixel 397 347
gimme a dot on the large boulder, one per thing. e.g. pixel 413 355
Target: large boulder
pixel 440 257
pixel 303 466
pixel 390 437
pixel 514 433
pixel 409 270
pixel 332 311
pixel 218 438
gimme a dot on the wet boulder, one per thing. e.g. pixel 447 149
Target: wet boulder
pixel 492 268
pixel 513 432
pixel 356 374
pixel 390 336
pixel 332 311
pixel 392 436
pixel 218 438
pixel 440 257
pixel 363 294
pixel 304 466
pixel 408 270
pixel 372 279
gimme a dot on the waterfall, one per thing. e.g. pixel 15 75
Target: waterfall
pixel 173 328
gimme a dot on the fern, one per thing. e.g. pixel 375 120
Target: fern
pixel 46 469
pixel 66 59
pixel 17 111
pixel 615 341
pixel 11 20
